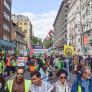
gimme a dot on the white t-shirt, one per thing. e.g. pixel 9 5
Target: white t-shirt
pixel 58 87
pixel 45 87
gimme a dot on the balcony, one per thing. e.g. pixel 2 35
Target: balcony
pixel 6 27
pixel 7 16
pixel 7 5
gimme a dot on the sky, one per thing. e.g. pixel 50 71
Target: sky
pixel 42 14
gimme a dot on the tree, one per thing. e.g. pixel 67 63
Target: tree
pixel 36 40
pixel 47 43
pixel 39 41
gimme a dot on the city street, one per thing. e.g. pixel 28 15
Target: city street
pixel 51 39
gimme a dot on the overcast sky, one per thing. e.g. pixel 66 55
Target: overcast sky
pixel 41 13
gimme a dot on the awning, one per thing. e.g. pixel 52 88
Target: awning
pixel 7 43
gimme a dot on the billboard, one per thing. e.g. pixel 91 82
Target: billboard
pixel 37 46
pixel 40 50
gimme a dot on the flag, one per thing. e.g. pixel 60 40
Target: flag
pixel 31 50
pixel 68 50
pixel 51 33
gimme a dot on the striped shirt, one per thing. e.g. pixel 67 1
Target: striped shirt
pixel 85 84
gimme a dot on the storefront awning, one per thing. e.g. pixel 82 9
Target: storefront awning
pixel 7 43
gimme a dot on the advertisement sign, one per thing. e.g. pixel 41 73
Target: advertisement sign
pixel 40 50
pixel 37 46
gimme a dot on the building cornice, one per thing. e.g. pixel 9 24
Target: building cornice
pixel 62 3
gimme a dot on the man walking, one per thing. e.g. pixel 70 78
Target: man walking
pixel 19 84
pixel 84 82
pixel 38 85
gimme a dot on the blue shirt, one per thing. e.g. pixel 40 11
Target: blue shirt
pixel 85 85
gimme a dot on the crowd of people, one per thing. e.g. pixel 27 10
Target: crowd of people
pixel 47 74
pixel 7 64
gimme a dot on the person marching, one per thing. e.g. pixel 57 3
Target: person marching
pixel 62 85
pixel 19 84
pixel 2 66
pixel 13 64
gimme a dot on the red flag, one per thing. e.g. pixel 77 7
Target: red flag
pixel 51 33
pixel 85 39
pixel 31 50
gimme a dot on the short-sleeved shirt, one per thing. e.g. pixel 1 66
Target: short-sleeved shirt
pixel 45 87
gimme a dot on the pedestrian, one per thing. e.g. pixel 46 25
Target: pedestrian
pixel 2 84
pixel 13 64
pixel 84 83
pixel 2 66
pixel 67 61
pixel 38 85
pixel 89 61
pixel 19 84
pixel 78 67
pixel 91 64
pixel 62 85
pixel 32 67
pixel 51 60
pixel 8 65
pixel 44 73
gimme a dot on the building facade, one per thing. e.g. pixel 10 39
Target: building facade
pixel 17 36
pixel 5 24
pixel 74 26
pixel 5 19
pixel 79 26
pixel 86 19
pixel 25 25
pixel 60 26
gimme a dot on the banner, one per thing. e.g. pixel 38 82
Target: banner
pixel 68 50
pixel 31 50
pixel 37 46
pixel 21 61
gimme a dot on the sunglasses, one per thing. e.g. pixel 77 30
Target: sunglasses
pixel 19 73
pixel 62 77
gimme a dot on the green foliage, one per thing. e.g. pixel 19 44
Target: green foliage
pixel 36 40
pixel 47 43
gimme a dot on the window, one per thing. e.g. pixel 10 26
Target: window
pixel 83 16
pixel 6 16
pixel 79 40
pixel 6 5
pixel 25 23
pixel 91 6
pixel 25 30
pixel 84 27
pixel 20 28
pixel 20 23
pixel 6 27
pixel 6 37
pixel 89 25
